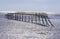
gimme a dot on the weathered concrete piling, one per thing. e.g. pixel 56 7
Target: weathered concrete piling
pixel 37 18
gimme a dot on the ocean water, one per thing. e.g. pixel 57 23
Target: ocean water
pixel 56 30
pixel 55 19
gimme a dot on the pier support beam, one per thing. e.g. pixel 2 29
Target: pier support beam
pixel 42 20
pixel 16 17
pixel 28 18
pixel 25 18
pixel 49 21
pixel 22 17
pixel 36 19
pixel 39 19
pixel 31 19
pixel 47 24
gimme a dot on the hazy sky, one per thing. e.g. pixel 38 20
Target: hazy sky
pixel 30 5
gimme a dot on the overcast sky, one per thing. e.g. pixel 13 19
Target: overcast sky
pixel 30 5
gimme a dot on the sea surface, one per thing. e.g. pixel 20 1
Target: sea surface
pixel 55 19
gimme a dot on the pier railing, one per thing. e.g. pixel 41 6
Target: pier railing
pixel 36 18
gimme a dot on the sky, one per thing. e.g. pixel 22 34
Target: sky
pixel 30 5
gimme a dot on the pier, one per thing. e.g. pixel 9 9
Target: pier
pixel 36 18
